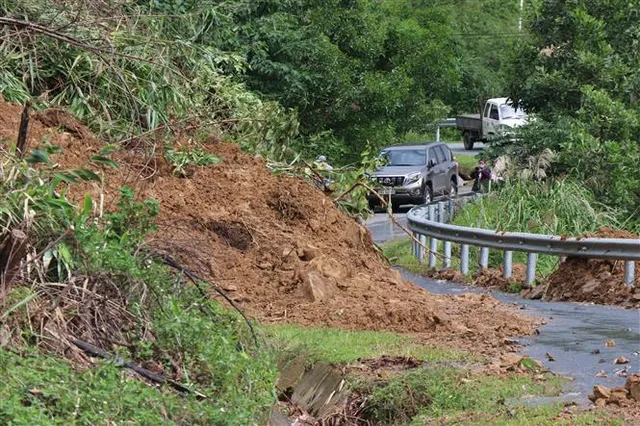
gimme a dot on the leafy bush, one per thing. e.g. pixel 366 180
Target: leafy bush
pixel 161 69
pixel 576 72
pixel 597 147
pixel 183 157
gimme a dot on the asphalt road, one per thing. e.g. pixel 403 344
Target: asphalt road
pixel 383 229
pixel 458 148
pixel 574 335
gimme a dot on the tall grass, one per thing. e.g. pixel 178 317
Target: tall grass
pixel 558 207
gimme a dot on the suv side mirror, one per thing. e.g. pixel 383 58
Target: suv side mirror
pixel 431 162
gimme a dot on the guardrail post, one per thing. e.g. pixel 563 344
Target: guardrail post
pixel 414 246
pixel 441 211
pixel 484 257
pixel 423 240
pixel 629 272
pixel 531 267
pixel 447 254
pixel 452 209
pixel 433 243
pixel 433 250
pixel 464 259
pixel 508 265
pixel 431 212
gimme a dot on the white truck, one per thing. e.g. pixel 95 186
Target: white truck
pixel 497 117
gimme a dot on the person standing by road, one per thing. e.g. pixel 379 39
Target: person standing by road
pixel 324 169
pixel 322 164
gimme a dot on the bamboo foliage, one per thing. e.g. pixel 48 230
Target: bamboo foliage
pixel 126 69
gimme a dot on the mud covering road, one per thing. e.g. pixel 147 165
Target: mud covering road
pixel 577 336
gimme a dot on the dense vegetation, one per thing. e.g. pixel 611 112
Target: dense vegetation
pixel 279 77
pixel 578 70
pixel 316 76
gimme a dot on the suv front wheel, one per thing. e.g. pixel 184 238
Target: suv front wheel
pixel 427 195
pixel 453 189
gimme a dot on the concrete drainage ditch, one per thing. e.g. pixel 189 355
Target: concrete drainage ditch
pixel 317 390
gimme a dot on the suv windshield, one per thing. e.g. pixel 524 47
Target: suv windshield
pixel 404 157
pixel 507 111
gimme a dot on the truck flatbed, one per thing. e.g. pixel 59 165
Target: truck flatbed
pixel 471 122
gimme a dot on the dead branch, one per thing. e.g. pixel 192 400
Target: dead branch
pixel 398 224
pixel 120 362
pixel 21 146
pixel 195 280
pixel 318 175
pixel 41 29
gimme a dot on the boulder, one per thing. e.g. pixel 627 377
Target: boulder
pixel 317 287
pixel 601 392
pixel 633 386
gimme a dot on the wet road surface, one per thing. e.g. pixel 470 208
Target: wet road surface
pixel 574 334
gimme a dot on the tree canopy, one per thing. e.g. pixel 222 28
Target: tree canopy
pixel 578 70
pixel 314 76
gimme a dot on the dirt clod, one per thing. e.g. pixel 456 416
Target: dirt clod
pixel 633 386
pixel 626 396
pixel 233 233
pixel 621 360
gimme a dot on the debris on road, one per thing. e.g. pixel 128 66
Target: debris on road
pixel 278 245
pixel 623 396
pixel 621 360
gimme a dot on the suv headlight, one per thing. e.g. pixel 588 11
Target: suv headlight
pixel 412 178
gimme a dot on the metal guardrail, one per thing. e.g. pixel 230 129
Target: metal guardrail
pixel 430 221
pixel 447 122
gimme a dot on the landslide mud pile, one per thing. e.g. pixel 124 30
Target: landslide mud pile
pixel 285 253
pixel 595 280
pixel 276 245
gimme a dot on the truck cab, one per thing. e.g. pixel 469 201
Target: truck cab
pixel 497 117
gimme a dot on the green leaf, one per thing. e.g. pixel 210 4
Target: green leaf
pixel 38 156
pixel 87 206
pixel 53 149
pixel 63 254
pixel 109 149
pixel 67 177
pixel 100 159
pixel 87 175
pixel 529 364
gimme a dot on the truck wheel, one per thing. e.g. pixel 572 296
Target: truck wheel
pixel 467 141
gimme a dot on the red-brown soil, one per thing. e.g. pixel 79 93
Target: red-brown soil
pixel 493 277
pixel 275 244
pixel 595 280
pixel 592 281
